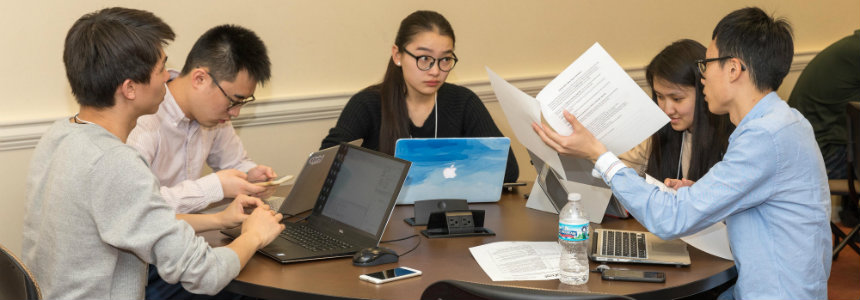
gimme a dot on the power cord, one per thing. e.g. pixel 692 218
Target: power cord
pixel 403 239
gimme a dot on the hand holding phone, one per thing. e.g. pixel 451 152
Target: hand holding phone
pixel 390 275
pixel 633 275
pixel 275 182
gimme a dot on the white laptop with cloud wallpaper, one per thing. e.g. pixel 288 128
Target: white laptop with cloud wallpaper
pixel 453 168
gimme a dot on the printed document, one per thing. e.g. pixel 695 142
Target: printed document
pixel 597 91
pixel 515 261
pixel 601 95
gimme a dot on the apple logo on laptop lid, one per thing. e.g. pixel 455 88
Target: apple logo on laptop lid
pixel 449 172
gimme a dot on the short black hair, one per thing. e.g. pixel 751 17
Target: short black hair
pixel 106 47
pixel 228 49
pixel 763 43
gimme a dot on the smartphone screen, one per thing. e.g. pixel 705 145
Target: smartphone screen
pixel 390 275
pixel 631 275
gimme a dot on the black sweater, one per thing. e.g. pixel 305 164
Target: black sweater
pixel 461 114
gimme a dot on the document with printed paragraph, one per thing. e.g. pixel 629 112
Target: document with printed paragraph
pixel 515 261
pixel 597 91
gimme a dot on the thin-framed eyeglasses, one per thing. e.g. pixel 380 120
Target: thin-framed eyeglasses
pixel 233 103
pixel 426 62
pixel 703 63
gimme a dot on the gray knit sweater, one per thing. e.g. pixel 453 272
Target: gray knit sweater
pixel 95 218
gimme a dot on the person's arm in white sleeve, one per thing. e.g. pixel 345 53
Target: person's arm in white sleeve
pixel 187 196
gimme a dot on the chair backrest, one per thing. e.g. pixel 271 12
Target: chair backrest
pixel 454 289
pixel 853 111
pixel 16 281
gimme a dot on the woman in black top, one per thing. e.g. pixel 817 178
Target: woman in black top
pixel 413 99
pixel 695 139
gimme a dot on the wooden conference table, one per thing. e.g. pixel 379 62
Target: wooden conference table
pixel 449 258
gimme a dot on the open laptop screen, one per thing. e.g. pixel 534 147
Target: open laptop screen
pixel 454 168
pixel 554 189
pixel 364 188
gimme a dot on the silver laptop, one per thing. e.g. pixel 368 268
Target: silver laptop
pixel 610 245
pixel 351 207
pixel 454 168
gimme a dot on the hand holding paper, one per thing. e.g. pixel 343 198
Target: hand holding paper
pixel 597 92
pixel 579 143
pixel 604 99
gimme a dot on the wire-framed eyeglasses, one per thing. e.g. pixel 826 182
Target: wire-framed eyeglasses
pixel 233 103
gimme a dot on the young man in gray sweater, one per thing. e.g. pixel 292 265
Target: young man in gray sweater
pixel 95 216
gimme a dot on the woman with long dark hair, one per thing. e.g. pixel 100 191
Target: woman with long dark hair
pixel 695 139
pixel 413 99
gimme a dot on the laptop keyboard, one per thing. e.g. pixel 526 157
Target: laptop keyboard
pixel 623 244
pixel 312 240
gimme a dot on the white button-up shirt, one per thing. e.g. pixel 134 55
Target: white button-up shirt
pixel 175 148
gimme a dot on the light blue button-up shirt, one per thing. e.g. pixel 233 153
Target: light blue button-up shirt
pixel 770 188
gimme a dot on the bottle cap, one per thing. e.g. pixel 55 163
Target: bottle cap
pixel 574 197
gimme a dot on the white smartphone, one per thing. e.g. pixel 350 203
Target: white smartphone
pixel 390 275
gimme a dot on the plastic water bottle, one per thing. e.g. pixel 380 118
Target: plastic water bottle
pixel 573 236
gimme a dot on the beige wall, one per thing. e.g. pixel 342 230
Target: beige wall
pixel 322 51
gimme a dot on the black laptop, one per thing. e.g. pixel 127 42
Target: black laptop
pixel 352 208
pixel 306 188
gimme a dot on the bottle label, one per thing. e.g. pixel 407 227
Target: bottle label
pixel 572 232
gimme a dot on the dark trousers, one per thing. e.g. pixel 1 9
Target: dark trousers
pixel 837 168
pixel 157 289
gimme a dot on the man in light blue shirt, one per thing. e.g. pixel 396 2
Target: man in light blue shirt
pixel 771 186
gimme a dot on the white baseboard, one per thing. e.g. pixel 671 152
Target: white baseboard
pixel 26 134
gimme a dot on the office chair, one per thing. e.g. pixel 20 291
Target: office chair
pixel 16 282
pixel 454 289
pixel 849 187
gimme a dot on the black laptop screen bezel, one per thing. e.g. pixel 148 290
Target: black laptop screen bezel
pixel 317 215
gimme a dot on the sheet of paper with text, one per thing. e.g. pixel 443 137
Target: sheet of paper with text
pixel 603 97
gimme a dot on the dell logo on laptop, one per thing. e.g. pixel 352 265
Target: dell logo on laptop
pixel 316 159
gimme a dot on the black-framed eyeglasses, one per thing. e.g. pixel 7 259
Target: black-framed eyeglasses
pixel 703 63
pixel 233 103
pixel 426 62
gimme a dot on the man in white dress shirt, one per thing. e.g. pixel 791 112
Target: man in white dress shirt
pixel 193 128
